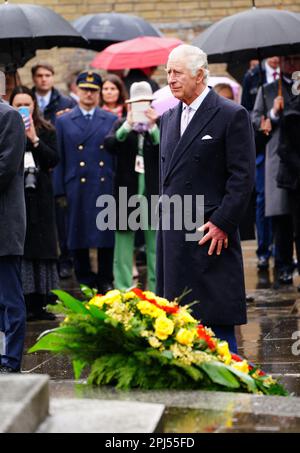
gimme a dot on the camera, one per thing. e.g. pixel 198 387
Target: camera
pixel 30 178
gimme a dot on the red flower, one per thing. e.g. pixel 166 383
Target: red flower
pixel 204 336
pixel 236 357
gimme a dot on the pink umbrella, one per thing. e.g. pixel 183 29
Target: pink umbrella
pixel 164 99
pixel 141 52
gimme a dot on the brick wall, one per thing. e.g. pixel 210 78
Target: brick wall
pixel 183 19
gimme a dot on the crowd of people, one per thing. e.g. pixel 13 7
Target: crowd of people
pixel 86 144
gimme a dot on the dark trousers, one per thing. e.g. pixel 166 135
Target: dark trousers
pixel 226 333
pixel 61 225
pixel 295 205
pixel 284 242
pixel 83 270
pixel 12 311
pixel 263 224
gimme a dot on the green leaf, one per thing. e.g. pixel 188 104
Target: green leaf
pixel 245 378
pixel 78 366
pixel 51 342
pixel 69 301
pixel 192 372
pixel 97 313
pixel 219 374
pixel 88 292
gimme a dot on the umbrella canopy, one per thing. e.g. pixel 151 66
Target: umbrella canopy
pixel 107 28
pixel 256 33
pixel 24 28
pixel 141 52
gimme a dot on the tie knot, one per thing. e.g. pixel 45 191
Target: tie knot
pixel 88 116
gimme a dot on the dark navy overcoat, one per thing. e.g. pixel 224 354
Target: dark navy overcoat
pixel 84 173
pixel 222 169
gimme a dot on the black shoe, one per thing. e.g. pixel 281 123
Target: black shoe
pixel 8 369
pixel 249 298
pixel 286 277
pixel 42 315
pixel 262 263
pixel 103 288
pixel 65 271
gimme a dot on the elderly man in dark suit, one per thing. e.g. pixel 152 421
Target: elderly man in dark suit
pixel 12 237
pixel 207 148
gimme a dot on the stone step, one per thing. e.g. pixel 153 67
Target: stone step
pixel 100 416
pixel 24 402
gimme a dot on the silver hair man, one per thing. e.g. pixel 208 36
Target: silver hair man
pixel 193 57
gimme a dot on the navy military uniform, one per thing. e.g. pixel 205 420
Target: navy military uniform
pixel 84 173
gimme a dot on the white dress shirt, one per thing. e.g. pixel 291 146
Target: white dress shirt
pixel 270 72
pixel 188 111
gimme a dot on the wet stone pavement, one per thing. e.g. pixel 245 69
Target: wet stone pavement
pixel 269 339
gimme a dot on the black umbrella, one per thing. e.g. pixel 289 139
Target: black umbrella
pixel 24 28
pixel 108 28
pixel 253 34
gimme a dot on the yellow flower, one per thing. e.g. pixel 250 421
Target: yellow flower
pixel 162 301
pixel 154 342
pixel 241 366
pixel 223 351
pixel 149 294
pixel 186 337
pixel 97 300
pixel 111 296
pixel 146 308
pixel 183 317
pixel 66 320
pixel 163 327
pixel 129 295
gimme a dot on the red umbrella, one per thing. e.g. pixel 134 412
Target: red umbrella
pixel 141 52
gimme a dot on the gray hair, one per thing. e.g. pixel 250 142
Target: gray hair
pixel 193 58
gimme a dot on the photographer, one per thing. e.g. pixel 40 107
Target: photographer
pixel 39 271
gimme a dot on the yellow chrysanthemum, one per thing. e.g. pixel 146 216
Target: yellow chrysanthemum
pixel 223 351
pixel 186 336
pixel 241 366
pixel 146 308
pixel 163 327
pixel 162 301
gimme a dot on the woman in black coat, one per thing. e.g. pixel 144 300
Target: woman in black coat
pixel 39 269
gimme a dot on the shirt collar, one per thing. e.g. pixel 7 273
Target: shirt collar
pixel 270 70
pixel 85 112
pixel 46 97
pixel 198 101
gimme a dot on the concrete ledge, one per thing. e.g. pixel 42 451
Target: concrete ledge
pixel 24 402
pixel 98 416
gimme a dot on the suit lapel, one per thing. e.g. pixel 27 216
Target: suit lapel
pixel 201 118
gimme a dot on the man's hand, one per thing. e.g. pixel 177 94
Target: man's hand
pixel 217 236
pixel 265 125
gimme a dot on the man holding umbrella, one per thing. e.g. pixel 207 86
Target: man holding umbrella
pixel 274 98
